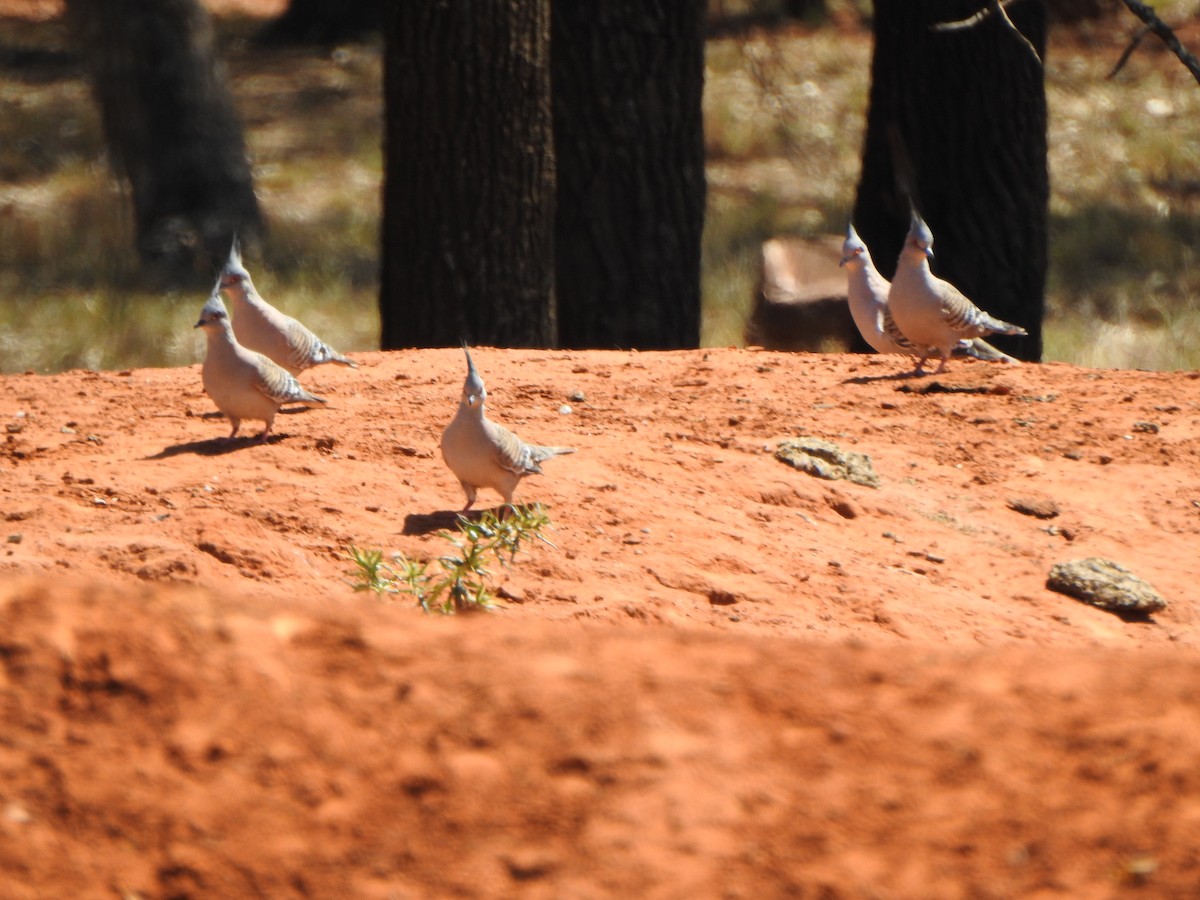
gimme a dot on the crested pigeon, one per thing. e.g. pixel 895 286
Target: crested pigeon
pixel 260 326
pixel 867 293
pixel 481 453
pixel 932 313
pixel 244 384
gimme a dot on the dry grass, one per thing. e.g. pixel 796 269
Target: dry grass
pixel 784 118
pixel 67 266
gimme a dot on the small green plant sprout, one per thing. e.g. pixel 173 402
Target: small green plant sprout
pixel 459 582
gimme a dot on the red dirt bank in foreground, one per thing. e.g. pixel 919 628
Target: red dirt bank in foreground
pixel 729 679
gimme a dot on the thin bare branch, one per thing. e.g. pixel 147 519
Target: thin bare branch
pixel 1159 27
pixel 1134 43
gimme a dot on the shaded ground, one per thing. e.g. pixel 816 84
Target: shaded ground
pixel 728 679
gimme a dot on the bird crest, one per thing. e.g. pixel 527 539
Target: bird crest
pixel 474 393
pixel 853 247
pixel 212 311
pixel 234 270
pixel 919 235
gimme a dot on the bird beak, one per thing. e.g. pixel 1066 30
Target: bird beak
pixel 198 324
pixel 843 261
pixel 929 253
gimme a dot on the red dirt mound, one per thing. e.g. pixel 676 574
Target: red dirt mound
pixel 727 678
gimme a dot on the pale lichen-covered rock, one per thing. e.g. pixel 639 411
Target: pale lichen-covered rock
pixel 1106 585
pixel 825 459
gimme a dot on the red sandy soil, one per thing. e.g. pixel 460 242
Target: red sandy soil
pixel 727 679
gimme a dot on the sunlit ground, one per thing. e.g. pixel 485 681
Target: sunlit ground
pixel 784 118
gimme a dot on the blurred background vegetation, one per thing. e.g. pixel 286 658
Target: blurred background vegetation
pixel 785 104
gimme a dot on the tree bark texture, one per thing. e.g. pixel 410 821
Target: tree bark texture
pixel 628 130
pixel 171 128
pixel 957 126
pixel 468 217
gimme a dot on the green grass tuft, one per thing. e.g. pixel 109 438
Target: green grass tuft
pixel 459 578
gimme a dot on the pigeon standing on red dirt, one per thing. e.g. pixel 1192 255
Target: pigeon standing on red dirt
pixel 244 384
pixel 260 326
pixel 867 293
pixel 930 312
pixel 481 453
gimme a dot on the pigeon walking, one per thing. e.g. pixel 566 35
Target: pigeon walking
pixel 932 313
pixel 260 326
pixel 244 384
pixel 867 292
pixel 481 453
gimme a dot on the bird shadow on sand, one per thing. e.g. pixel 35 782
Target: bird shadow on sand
pixel 941 387
pixel 217 446
pixel 428 523
pixel 893 376
pixel 927 387
pixel 443 519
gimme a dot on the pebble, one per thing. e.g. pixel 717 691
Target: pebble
pixel 1039 507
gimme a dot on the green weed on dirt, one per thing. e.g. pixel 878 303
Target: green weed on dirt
pixel 458 580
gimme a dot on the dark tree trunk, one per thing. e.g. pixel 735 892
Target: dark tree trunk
pixel 957 125
pixel 468 207
pixel 171 129
pixel 628 132
pixel 324 22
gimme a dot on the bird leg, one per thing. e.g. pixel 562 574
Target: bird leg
pixel 470 491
